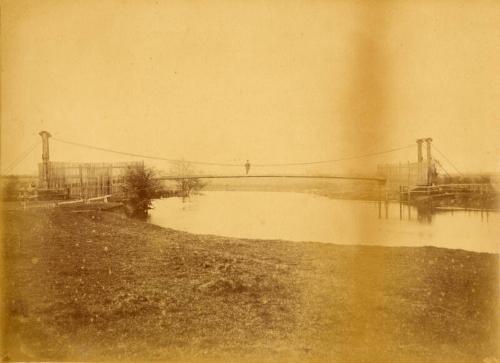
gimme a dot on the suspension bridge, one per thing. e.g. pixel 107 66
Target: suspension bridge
pixel 92 180
pixel 46 162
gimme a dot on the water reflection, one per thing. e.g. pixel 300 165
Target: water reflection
pixel 425 213
pixel 307 217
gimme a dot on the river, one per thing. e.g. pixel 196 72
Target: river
pixel 309 217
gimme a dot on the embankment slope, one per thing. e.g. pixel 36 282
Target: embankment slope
pixel 98 286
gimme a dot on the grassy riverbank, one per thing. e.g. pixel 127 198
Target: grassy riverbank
pixel 99 286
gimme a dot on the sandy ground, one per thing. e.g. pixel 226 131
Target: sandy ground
pixel 94 286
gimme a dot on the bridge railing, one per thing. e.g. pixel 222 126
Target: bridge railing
pixel 344 177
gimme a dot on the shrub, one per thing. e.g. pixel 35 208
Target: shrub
pixel 140 188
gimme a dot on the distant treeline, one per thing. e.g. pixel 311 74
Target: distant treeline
pixel 467 179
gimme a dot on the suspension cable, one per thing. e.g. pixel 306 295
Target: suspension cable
pixel 142 155
pixel 443 168
pixel 20 158
pixel 337 160
pixel 448 160
pixel 229 164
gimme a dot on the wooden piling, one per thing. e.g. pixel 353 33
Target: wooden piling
pixel 379 200
pixel 400 202
pixel 386 203
pixel 409 203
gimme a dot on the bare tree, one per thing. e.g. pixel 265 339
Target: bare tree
pixel 188 185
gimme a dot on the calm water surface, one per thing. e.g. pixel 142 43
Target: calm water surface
pixel 308 217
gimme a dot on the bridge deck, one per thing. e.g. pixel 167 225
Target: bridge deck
pixel 381 180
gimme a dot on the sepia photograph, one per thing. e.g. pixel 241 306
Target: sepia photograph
pixel 189 181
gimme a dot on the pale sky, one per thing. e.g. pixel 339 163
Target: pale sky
pixel 270 81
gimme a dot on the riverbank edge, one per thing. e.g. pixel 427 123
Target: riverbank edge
pixel 304 257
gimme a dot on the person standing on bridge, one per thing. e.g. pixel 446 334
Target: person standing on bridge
pixel 247 167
